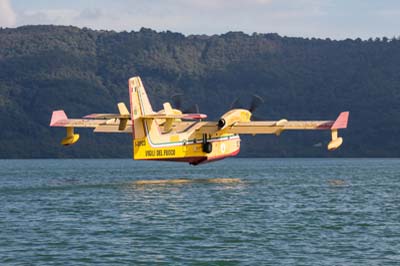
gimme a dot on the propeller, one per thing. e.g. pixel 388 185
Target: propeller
pixel 236 104
pixel 194 109
pixel 177 101
pixel 255 103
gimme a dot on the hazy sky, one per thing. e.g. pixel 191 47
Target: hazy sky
pixel 336 19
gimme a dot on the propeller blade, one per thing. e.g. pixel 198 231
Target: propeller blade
pixel 236 104
pixel 256 101
pixel 177 100
pixel 194 109
pixel 257 118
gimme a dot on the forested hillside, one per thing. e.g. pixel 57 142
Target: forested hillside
pixel 82 71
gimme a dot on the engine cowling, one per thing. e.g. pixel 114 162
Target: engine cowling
pixel 234 116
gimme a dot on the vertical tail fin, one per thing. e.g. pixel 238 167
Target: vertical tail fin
pixel 139 100
pixel 140 106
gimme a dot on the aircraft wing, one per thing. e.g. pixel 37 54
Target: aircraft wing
pixel 175 116
pixel 104 123
pixel 106 116
pixel 277 127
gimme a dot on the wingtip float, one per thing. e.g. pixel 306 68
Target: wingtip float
pixel 340 123
pixel 171 135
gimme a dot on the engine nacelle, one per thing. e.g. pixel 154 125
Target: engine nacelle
pixel 234 116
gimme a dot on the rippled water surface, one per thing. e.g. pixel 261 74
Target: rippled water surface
pixel 282 212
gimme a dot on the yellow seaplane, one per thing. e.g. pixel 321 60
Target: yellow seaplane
pixel 170 135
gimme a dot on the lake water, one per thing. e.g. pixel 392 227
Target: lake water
pixel 281 212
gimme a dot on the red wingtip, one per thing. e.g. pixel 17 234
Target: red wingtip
pixel 57 117
pixel 341 121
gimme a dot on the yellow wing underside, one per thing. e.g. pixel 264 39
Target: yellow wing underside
pixel 99 125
